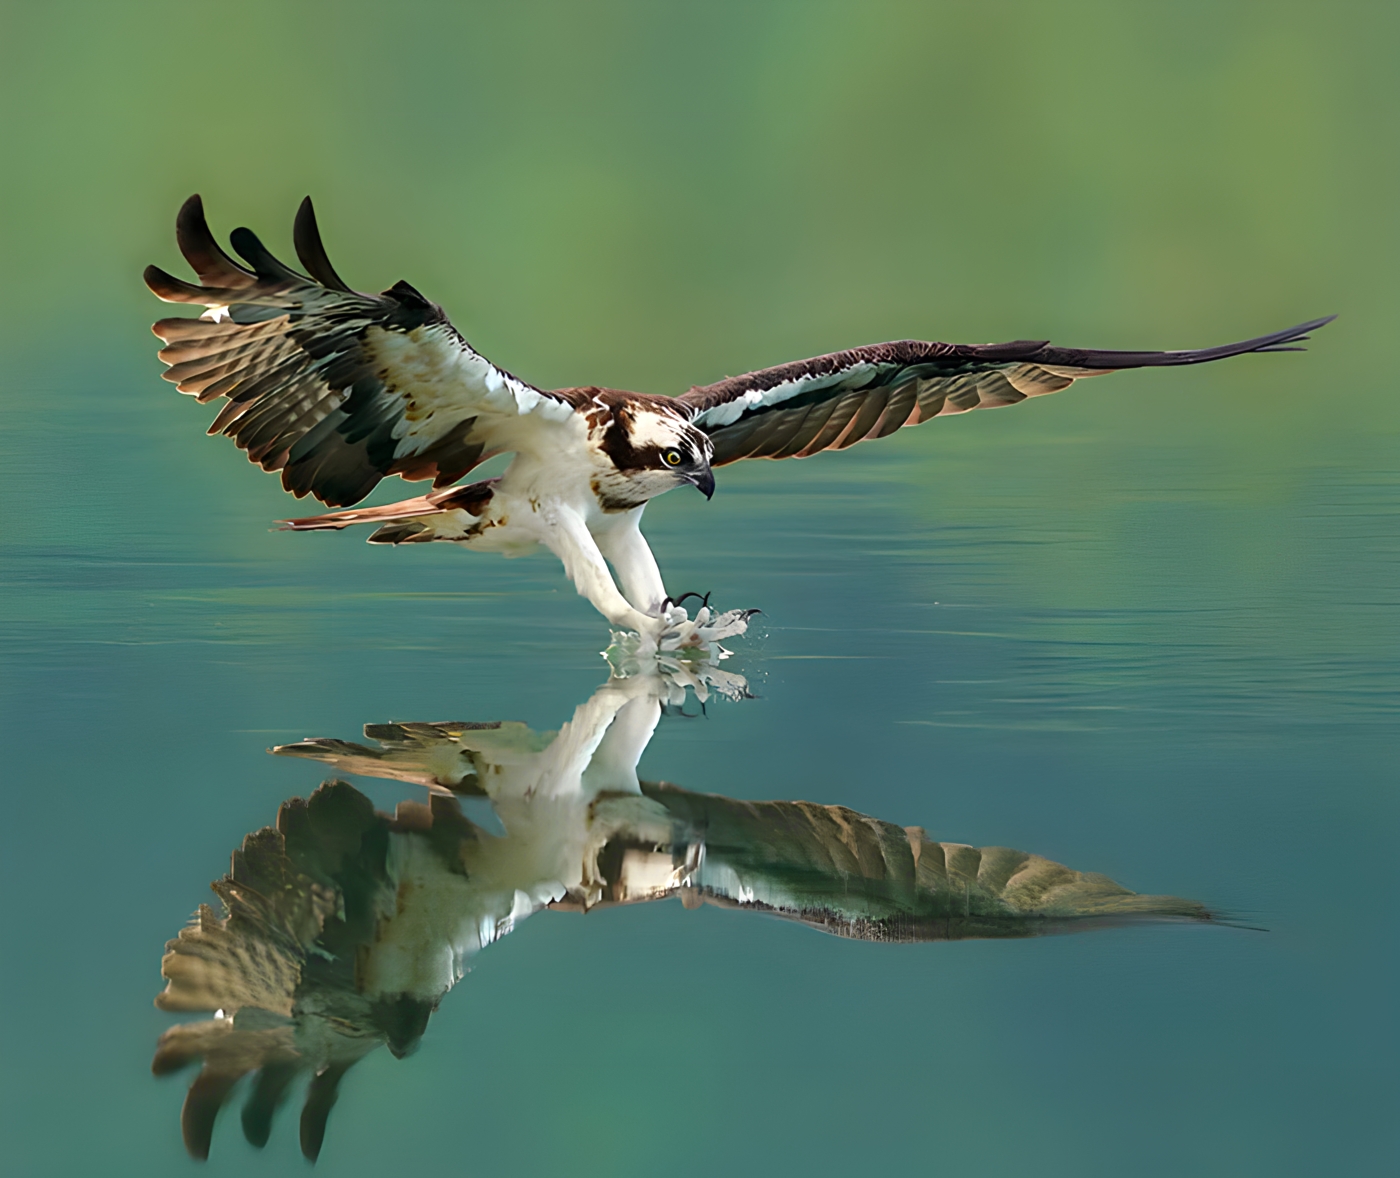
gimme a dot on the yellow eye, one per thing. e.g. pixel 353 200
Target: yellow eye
pixel 672 457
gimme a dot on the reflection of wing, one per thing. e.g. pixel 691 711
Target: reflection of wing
pixel 856 876
pixel 826 866
pixel 334 388
pixel 830 402
pixel 345 928
pixel 291 968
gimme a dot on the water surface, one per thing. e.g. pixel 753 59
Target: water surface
pixel 1145 629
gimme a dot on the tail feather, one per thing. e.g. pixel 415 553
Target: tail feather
pixel 402 522
pixel 390 512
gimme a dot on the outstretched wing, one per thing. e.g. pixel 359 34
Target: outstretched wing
pixel 831 402
pixel 334 388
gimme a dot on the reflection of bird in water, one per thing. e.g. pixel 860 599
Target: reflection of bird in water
pixel 345 927
pixel 337 389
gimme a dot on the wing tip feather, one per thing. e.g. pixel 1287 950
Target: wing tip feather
pixel 1274 341
pixel 266 266
pixel 311 250
pixel 200 249
pixel 166 287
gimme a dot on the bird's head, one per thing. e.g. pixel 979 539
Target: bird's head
pixel 653 449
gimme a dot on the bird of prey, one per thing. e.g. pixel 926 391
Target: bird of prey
pixel 338 389
pixel 344 928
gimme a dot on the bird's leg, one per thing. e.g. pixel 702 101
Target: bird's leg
pixel 668 628
pixel 599 747
pixel 614 763
pixel 626 549
pixel 570 540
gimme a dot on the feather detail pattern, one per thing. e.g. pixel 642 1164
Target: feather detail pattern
pixel 833 401
pixel 288 967
pixel 334 388
pixel 344 927
pixel 337 389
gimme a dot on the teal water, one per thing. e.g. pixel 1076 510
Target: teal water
pixel 1204 725
pixel 1146 628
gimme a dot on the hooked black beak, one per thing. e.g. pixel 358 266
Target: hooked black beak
pixel 704 482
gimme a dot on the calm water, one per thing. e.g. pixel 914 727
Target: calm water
pixel 1205 724
pixel 1147 628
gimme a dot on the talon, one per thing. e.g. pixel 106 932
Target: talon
pixel 677 601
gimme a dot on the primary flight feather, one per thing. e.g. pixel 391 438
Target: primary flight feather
pixel 337 389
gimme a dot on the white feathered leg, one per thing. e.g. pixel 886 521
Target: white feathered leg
pixel 614 764
pixel 630 556
pixel 570 540
pixel 626 549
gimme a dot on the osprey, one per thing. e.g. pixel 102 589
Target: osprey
pixel 337 389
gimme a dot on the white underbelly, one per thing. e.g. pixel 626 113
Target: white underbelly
pixel 512 525
pixel 504 539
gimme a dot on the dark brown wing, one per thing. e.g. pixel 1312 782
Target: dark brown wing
pixel 834 401
pixel 334 388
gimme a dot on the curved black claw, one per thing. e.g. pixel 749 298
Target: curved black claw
pixel 670 601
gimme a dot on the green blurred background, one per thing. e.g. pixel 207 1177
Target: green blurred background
pixel 1148 627
pixel 655 195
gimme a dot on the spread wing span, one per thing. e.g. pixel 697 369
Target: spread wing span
pixel 831 402
pixel 334 388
